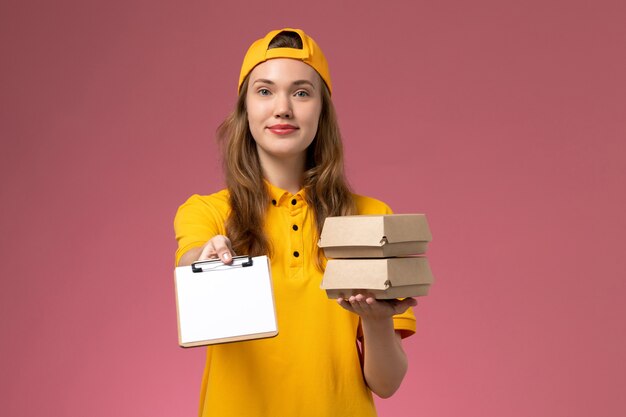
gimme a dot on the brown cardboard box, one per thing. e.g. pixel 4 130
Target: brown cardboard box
pixel 385 278
pixel 377 236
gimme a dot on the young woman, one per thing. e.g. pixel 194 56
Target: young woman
pixel 283 163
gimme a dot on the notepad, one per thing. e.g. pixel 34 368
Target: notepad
pixel 218 303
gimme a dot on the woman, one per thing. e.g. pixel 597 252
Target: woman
pixel 284 172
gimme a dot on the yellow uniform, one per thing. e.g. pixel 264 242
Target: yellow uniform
pixel 312 367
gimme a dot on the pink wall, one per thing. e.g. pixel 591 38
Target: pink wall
pixel 502 120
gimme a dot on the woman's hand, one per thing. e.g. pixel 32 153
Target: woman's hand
pixel 218 246
pixel 369 308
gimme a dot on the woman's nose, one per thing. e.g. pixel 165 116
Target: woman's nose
pixel 283 107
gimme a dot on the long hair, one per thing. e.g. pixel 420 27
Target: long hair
pixel 326 188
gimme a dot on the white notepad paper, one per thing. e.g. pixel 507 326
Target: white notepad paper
pixel 219 303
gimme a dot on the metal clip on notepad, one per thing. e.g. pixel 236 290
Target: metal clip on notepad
pixel 217 264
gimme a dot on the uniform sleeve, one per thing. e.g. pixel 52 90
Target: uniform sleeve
pixel 369 205
pixel 405 322
pixel 198 220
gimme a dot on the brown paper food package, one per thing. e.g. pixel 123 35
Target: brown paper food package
pixel 376 236
pixel 384 278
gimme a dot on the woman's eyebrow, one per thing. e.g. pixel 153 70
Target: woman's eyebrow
pixel 270 82
pixel 263 81
pixel 303 82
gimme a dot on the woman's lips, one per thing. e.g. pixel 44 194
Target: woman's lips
pixel 282 129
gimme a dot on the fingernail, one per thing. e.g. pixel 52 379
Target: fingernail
pixel 226 256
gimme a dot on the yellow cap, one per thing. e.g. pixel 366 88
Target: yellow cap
pixel 310 54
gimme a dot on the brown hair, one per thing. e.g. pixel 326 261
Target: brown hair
pixel 326 189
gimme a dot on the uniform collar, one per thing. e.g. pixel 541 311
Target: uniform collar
pixel 278 194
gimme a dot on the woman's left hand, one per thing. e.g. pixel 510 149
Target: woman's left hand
pixel 369 308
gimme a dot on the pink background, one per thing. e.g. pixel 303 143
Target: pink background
pixel 504 121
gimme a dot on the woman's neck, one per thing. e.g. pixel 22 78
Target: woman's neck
pixel 285 173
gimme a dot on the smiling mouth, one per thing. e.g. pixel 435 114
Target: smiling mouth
pixel 282 129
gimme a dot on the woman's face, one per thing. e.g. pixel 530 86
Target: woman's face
pixel 284 102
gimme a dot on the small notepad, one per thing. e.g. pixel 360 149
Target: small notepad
pixel 218 303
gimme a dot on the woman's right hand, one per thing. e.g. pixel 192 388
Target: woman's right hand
pixel 218 246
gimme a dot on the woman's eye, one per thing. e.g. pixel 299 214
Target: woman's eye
pixel 302 93
pixel 264 92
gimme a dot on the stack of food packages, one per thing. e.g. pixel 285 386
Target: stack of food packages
pixel 376 254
